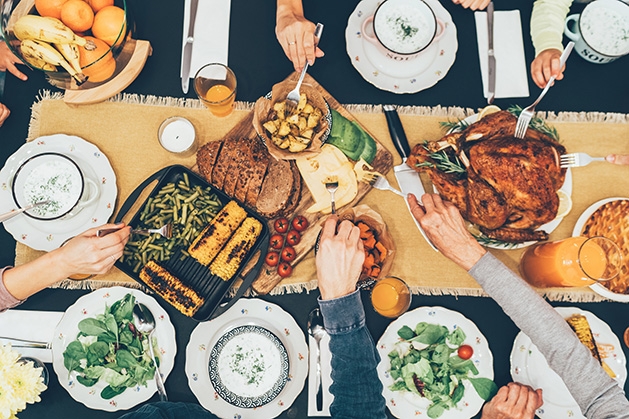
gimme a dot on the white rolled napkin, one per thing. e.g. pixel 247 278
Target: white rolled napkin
pixel 211 34
pixel 326 378
pixel 30 325
pixel 511 69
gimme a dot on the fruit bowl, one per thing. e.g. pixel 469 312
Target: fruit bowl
pixel 96 36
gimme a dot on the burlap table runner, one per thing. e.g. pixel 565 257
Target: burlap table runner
pixel 125 129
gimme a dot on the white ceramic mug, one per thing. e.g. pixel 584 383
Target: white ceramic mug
pixel 601 31
pixel 403 29
pixel 53 177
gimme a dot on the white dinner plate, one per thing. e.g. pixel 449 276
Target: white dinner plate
pixel 578 229
pixel 49 235
pixel 410 76
pixel 405 404
pixel 528 366
pixel 246 311
pixel 549 227
pixel 89 306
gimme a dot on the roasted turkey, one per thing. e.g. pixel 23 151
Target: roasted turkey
pixel 508 186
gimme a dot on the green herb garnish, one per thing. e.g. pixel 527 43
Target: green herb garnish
pixel 537 123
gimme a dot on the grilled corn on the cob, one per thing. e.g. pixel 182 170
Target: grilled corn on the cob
pixel 179 295
pixel 206 245
pixel 579 323
pixel 229 259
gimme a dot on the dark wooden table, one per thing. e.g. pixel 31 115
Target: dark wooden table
pixel 259 62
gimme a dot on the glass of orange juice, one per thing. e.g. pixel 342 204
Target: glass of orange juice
pixel 390 297
pixel 572 262
pixel 215 85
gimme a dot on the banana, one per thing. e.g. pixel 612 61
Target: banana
pixel 47 29
pixel 71 54
pixel 46 52
pixel 37 62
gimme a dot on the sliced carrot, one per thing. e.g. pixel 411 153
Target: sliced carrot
pixel 369 261
pixel 382 250
pixel 375 271
pixel 369 242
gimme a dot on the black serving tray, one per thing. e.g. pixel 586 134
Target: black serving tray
pixel 198 277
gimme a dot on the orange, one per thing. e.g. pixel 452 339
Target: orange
pixel 98 64
pixel 109 22
pixel 99 4
pixel 77 15
pixel 49 8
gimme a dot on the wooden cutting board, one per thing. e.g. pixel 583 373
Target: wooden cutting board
pixel 268 277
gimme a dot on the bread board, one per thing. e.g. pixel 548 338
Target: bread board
pixel 383 161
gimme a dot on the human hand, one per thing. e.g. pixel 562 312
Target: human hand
pixel 446 229
pixel 615 158
pixel 545 65
pixel 513 401
pixel 8 61
pixel 296 35
pixel 472 4
pixel 89 254
pixel 339 259
pixel 4 113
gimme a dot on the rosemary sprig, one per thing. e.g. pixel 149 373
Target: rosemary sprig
pixel 537 123
pixel 489 242
pixel 447 163
pixel 454 126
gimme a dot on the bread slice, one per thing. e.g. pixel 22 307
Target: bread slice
pixel 227 155
pixel 261 160
pixel 206 158
pixel 276 189
pixel 237 165
pixel 295 195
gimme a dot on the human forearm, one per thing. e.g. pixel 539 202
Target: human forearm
pixel 356 387
pixel 289 8
pixel 547 23
pixel 25 280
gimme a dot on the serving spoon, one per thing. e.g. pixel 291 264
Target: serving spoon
pixel 317 331
pixel 145 323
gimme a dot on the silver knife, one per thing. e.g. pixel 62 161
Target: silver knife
pixel 187 47
pixel 407 178
pixel 491 64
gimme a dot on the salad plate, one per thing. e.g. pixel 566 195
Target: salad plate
pixel 400 76
pixel 578 229
pixel 528 366
pixel 89 306
pixel 210 336
pixel 549 227
pixel 49 235
pixel 404 404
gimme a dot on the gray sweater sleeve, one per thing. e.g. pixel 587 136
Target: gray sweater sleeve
pixel 598 395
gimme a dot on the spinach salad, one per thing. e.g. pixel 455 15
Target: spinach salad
pixel 425 362
pixel 110 348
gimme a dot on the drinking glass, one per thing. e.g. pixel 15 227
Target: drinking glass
pixel 572 262
pixel 390 297
pixel 215 85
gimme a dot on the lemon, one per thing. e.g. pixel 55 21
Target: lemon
pixel 565 204
pixel 487 110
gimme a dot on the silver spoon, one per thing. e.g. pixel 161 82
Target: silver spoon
pixel 13 213
pixel 145 323
pixel 317 331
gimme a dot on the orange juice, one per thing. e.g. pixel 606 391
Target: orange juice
pixel 390 297
pixel 573 262
pixel 215 85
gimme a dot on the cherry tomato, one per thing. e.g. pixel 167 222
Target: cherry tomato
pixel 288 254
pixel 272 258
pixel 281 225
pixel 293 237
pixel 299 223
pixel 465 352
pixel 284 269
pixel 276 241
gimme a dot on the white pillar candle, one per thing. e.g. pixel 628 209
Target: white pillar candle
pixel 177 135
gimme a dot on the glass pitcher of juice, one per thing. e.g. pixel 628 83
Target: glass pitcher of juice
pixel 572 262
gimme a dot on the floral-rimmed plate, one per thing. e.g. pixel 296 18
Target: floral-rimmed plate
pixel 248 366
pixel 405 404
pixel 528 366
pixel 89 306
pixel 49 235
pixel 578 229
pixel 549 227
pixel 400 76
pixel 246 311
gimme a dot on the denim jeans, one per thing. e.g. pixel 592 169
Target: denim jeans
pixel 355 385
pixel 169 410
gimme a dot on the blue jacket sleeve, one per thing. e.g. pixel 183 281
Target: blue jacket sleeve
pixel 355 384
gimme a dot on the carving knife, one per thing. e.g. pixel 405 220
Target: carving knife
pixel 407 178
pixel 187 47
pixel 491 63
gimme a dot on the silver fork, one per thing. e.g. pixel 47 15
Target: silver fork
pixel 166 231
pixel 380 182
pixel 527 113
pixel 577 159
pixel 332 184
pixel 292 99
